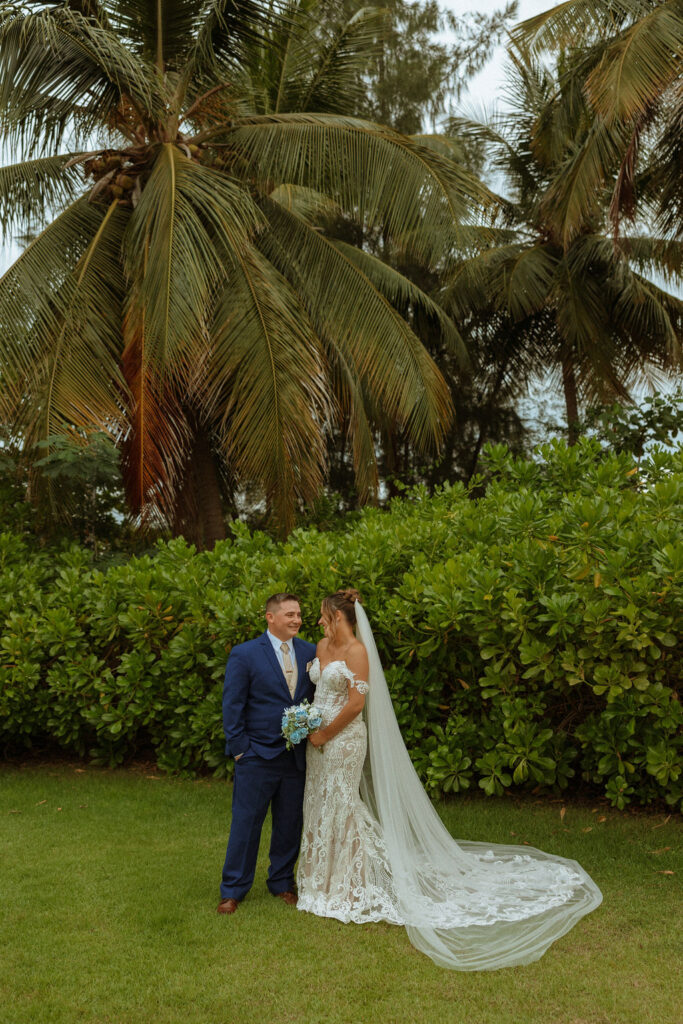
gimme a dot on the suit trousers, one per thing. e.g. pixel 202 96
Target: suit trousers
pixel 260 783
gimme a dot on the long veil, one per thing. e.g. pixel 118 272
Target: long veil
pixel 470 906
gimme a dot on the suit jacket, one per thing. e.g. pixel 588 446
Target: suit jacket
pixel 255 693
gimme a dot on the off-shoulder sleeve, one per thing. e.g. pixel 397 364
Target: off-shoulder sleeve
pixel 358 684
pixel 346 673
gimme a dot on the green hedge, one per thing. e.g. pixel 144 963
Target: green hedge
pixel 529 636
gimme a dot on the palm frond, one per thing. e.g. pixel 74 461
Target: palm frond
pixel 639 65
pixel 466 289
pixel 654 255
pixel 653 317
pixel 405 296
pixel 162 32
pixel 528 279
pixel 335 78
pixel 582 313
pixel 492 133
pixel 266 380
pixel 36 293
pixel 582 181
pixel 93 10
pixel 269 67
pixel 574 22
pixel 371 171
pixel 355 409
pixel 643 345
pixel 311 63
pixel 310 205
pixel 32 189
pixel 61 74
pixel 190 221
pixel 448 146
pixel 516 278
pixel 565 113
pixel 350 312
pixel 665 186
pixel 83 385
pixel 506 157
pixel 220 47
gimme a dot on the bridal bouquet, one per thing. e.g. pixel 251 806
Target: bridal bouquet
pixel 299 721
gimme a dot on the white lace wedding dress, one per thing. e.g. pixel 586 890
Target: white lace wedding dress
pixel 388 857
pixel 343 870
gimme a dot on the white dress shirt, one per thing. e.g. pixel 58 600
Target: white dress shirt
pixel 278 653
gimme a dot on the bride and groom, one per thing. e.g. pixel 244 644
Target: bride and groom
pixel 350 806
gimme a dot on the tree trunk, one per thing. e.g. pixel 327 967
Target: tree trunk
pixel 570 398
pixel 477 451
pixel 199 510
pixel 483 426
pixel 209 504
pixel 391 462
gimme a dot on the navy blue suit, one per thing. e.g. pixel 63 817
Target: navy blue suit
pixel 255 694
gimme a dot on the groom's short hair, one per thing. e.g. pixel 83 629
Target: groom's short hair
pixel 275 600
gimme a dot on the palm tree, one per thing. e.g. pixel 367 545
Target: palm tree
pixel 629 66
pixel 570 301
pixel 183 294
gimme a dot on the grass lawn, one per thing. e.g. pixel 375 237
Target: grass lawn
pixel 109 882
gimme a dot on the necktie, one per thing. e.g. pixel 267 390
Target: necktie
pixel 289 669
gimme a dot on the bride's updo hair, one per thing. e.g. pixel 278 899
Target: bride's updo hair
pixel 342 601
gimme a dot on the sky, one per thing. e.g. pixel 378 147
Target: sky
pixel 486 87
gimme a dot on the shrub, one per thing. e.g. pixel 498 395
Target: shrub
pixel 529 636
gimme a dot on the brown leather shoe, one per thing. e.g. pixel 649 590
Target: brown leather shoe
pixel 227 906
pixel 290 898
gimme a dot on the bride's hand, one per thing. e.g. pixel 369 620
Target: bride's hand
pixel 316 738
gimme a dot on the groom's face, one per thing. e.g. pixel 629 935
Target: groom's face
pixel 284 621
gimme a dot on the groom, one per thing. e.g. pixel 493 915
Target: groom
pixel 262 678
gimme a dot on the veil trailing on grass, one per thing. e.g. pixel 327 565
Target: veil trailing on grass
pixel 470 906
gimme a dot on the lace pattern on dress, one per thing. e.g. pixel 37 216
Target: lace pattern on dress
pixel 343 869
pixel 344 670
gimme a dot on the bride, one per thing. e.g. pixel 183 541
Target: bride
pixel 374 849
